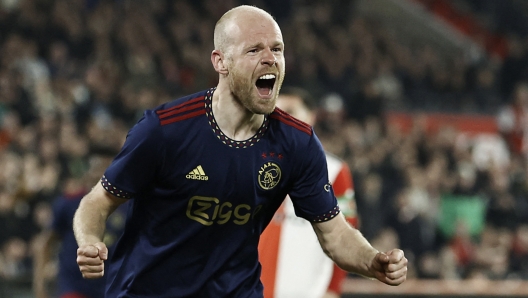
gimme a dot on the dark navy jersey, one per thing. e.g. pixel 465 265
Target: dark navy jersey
pixel 69 279
pixel 200 200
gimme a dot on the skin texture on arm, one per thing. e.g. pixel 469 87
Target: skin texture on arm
pixel 348 248
pixel 89 226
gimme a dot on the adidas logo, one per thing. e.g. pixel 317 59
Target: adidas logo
pixel 197 174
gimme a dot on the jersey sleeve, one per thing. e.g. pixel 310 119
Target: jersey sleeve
pixel 312 194
pixel 135 167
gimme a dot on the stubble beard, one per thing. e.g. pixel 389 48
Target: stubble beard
pixel 243 91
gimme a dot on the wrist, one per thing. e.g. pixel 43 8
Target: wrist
pixel 88 240
pixel 371 267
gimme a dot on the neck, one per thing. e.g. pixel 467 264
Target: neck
pixel 234 119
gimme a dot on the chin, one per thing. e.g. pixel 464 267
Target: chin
pixel 269 105
pixel 263 109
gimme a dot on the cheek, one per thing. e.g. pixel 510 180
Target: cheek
pixel 238 76
pixel 280 61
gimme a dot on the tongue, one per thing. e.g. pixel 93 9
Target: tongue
pixel 264 90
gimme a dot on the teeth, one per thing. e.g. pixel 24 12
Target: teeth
pixel 267 77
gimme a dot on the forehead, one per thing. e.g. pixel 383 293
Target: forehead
pixel 254 28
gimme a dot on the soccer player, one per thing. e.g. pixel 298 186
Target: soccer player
pixel 69 281
pixel 293 263
pixel 205 174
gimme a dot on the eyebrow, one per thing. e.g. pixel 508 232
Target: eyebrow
pixel 260 44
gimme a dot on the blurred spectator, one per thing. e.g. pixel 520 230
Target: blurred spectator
pixel 519 259
pixel 512 120
pixel 513 67
pixel 371 202
pixel 14 260
pixel 60 269
pixel 485 92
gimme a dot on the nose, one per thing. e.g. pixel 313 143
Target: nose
pixel 268 58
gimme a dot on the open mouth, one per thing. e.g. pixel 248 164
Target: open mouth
pixel 265 84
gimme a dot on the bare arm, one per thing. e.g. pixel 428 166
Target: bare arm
pixel 348 248
pixel 89 225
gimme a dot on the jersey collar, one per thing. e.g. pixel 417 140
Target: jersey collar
pixel 221 136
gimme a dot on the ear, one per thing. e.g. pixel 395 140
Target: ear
pixel 218 60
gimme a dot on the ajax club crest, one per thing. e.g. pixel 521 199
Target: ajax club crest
pixel 269 175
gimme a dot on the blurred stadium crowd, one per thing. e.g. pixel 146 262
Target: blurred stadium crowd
pixel 75 75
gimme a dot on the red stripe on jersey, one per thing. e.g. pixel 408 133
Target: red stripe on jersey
pixel 182 110
pixel 192 101
pixel 290 117
pixel 182 117
pixel 291 121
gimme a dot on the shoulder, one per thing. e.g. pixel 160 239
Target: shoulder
pixel 297 136
pixel 291 122
pixel 182 108
pixel 174 111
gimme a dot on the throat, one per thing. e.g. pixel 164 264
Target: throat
pixel 236 122
pixel 245 130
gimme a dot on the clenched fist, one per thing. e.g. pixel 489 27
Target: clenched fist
pixel 390 267
pixel 90 259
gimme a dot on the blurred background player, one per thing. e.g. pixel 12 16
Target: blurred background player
pixel 68 280
pixel 293 263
